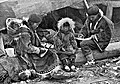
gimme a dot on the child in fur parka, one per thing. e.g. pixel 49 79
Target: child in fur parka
pixel 65 42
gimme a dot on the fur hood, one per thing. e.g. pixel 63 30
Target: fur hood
pixel 63 20
pixel 9 20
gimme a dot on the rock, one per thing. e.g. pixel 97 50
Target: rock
pixel 27 7
pixel 5 12
pixel 3 74
pixel 10 64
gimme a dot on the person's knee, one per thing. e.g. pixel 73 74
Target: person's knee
pixel 83 43
pixel 62 57
pixel 73 56
pixel 86 49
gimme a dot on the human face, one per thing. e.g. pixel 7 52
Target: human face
pixel 92 18
pixel 13 28
pixel 16 26
pixel 66 28
pixel 34 25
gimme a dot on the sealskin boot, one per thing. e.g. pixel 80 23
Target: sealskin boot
pixel 90 59
pixel 73 67
pixel 66 63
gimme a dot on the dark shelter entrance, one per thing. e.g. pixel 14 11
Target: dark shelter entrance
pixel 50 20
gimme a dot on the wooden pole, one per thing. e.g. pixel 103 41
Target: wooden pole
pixel 2 49
pixel 86 4
pixel 109 10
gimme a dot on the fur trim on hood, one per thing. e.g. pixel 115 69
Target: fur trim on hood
pixel 9 20
pixel 67 19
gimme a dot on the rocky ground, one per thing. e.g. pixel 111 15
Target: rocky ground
pixel 103 72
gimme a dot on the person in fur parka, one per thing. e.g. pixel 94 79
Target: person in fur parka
pixel 65 42
pixel 99 27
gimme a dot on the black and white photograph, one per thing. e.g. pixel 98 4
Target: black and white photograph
pixel 59 42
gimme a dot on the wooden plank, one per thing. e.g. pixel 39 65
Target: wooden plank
pixel 113 46
pixel 113 3
pixel 113 50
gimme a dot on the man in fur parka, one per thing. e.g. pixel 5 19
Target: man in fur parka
pixel 99 28
pixel 65 42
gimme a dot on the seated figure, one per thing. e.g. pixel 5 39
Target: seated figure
pixel 65 42
pixel 29 55
pixel 98 28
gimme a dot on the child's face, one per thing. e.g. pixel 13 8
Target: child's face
pixel 92 18
pixel 66 28
pixel 15 26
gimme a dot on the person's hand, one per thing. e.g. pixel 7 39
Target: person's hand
pixel 95 31
pixel 44 39
pixel 47 45
pixel 73 51
pixel 43 51
pixel 76 34
pixel 80 36
pixel 37 50
pixel 92 31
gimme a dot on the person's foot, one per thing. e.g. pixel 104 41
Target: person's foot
pixel 67 68
pixel 90 59
pixel 90 62
pixel 42 51
pixel 73 68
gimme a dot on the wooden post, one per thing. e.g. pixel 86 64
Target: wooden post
pixel 86 4
pixel 2 50
pixel 109 10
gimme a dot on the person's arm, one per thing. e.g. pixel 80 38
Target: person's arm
pixel 57 42
pixel 73 41
pixel 27 45
pixel 50 37
pixel 84 31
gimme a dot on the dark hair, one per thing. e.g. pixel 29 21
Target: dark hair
pixel 34 18
pixel 12 23
pixel 93 10
pixel 66 24
pixel 25 23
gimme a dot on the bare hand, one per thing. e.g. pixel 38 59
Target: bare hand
pixel 37 50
